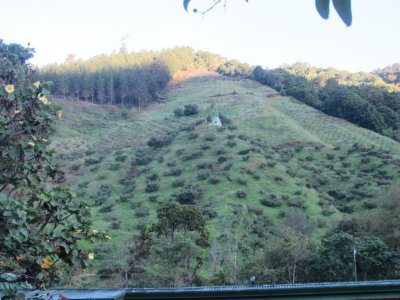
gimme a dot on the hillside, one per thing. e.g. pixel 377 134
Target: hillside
pixel 274 163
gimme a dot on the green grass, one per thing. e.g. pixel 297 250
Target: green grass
pixel 301 156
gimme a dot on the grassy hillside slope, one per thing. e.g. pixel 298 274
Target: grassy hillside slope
pixel 274 161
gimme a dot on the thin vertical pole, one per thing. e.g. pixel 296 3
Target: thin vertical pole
pixel 355 262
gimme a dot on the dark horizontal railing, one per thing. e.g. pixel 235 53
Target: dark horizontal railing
pixel 386 289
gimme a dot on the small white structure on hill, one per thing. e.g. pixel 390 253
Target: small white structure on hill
pixel 216 121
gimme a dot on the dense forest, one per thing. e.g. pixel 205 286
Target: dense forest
pixel 361 98
pixel 127 79
pixel 390 74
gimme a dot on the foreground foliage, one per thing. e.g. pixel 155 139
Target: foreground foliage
pixel 41 224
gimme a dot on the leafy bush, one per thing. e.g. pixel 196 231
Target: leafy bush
pixel 322 181
pixel 309 158
pixel 337 194
pixel 221 151
pixel 214 180
pixel 120 158
pixel 328 210
pixel 231 144
pixel 124 198
pixel 271 202
pixel 345 208
pixel 241 181
pixel 190 110
pixel 202 166
pixel 243 137
pixel 299 203
pixel 178 112
pixel 192 155
pixel 92 161
pixel 369 204
pixel 209 213
pixel 241 194
pixel 189 128
pixel 152 187
pixel 103 194
pixel 189 194
pixel 143 158
pixel 153 177
pixel 365 160
pixel 159 142
pixel 330 156
pixel 136 204
pixel 171 163
pixel 203 175
pixel 262 166
pixel 116 224
pixel 153 198
pixel 178 183
pixel 129 185
pixel 244 151
pixel 222 158
pixel 173 172
pixel 90 152
pixel 254 210
pixel 227 167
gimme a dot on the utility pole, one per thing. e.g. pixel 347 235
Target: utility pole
pixel 355 262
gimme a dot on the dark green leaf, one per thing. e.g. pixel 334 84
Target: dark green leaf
pixel 44 197
pixel 322 8
pixel 24 232
pixel 186 4
pixel 33 179
pixel 343 8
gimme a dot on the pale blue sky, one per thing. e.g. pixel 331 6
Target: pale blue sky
pixel 264 32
